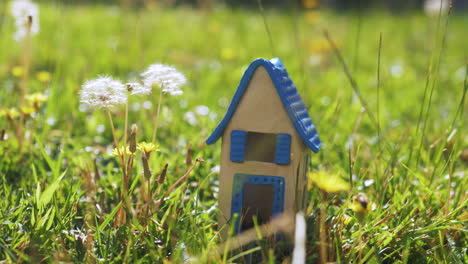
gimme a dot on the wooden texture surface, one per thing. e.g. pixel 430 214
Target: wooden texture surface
pixel 260 110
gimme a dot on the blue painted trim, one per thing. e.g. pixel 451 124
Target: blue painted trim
pixel 289 96
pixel 238 142
pixel 283 149
pixel 238 193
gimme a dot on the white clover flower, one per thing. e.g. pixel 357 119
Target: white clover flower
pixel 22 11
pixel 136 88
pixel 103 92
pixel 164 76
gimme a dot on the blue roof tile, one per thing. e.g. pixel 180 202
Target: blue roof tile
pixel 288 94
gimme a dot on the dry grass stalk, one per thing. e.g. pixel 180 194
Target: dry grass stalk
pixel 181 179
pixel 162 176
pixel 24 82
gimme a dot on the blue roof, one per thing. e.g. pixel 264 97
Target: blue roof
pixel 289 95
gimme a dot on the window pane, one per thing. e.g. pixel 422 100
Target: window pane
pixel 260 147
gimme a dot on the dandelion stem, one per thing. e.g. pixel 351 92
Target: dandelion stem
pixel 122 160
pixel 24 82
pixel 116 145
pixel 148 197
pixel 130 161
pixel 31 135
pixel 156 121
pixel 126 124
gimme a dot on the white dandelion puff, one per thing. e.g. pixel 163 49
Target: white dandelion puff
pixel 434 7
pixel 136 88
pixel 164 76
pixel 25 12
pixel 103 92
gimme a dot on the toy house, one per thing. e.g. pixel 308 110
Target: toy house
pixel 267 135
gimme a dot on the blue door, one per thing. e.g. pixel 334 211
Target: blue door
pixel 256 195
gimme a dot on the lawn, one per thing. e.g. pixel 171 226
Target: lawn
pixel 397 133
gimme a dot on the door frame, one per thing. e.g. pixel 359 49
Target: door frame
pixel 240 179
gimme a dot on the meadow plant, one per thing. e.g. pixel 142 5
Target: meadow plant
pixel 327 183
pixel 105 92
pixel 61 201
pixel 26 14
pixel 168 80
pixel 165 77
pixel 135 88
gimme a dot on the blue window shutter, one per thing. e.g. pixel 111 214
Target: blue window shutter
pixel 283 149
pixel 238 141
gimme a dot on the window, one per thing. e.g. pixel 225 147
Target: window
pixel 264 147
pixel 260 147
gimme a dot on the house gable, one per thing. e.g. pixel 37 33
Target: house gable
pixel 289 97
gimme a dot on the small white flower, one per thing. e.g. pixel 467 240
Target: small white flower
pixel 396 70
pixel 191 118
pixel 103 92
pixel 164 76
pixel 22 11
pixel 202 110
pixel 368 182
pixel 136 88
pixel 215 169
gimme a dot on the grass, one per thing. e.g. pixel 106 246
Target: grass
pixel 60 197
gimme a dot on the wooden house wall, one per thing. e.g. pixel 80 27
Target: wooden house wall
pixel 260 110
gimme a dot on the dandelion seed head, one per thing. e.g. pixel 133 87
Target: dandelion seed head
pixel 103 92
pixel 23 11
pixel 165 77
pixel 136 88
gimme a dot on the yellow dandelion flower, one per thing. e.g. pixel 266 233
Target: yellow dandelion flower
pixel 27 110
pixel 17 71
pixel 36 99
pixel 228 54
pixel 147 147
pixel 328 182
pixel 11 113
pixel 360 203
pixel 310 3
pixel 44 76
pixel 347 219
pixel 319 46
pixel 122 151
pixel 311 16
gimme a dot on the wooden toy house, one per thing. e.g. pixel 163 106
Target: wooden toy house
pixel 267 137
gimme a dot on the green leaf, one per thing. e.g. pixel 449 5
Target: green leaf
pixel 48 193
pixel 110 216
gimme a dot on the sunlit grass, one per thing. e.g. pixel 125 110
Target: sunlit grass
pixel 60 199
